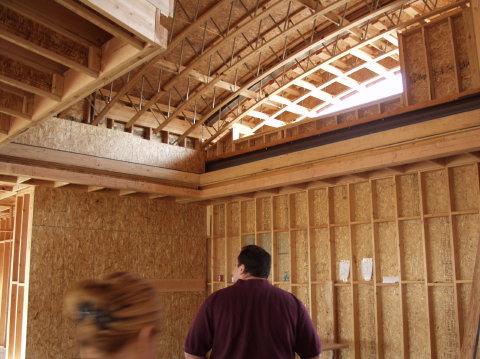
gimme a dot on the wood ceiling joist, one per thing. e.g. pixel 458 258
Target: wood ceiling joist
pixel 392 29
pixel 15 102
pixel 140 72
pixel 230 34
pixel 140 18
pixel 54 81
pixel 13 30
pixel 325 40
pixel 102 23
pixel 127 87
pixel 58 19
pixel 134 100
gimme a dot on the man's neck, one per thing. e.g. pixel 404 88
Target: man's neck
pixel 249 276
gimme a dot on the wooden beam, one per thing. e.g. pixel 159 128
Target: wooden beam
pixel 324 40
pixel 179 285
pixel 395 155
pixel 95 180
pixel 118 58
pixel 101 22
pixel 470 333
pixel 127 87
pixel 92 69
pixel 141 18
pixel 85 161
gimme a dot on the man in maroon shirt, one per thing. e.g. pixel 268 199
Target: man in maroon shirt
pixel 252 319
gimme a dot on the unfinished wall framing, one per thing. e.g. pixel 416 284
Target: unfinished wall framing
pixel 78 235
pixel 439 69
pixel 15 237
pixel 421 228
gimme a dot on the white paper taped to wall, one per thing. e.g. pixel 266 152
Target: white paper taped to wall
pixel 344 270
pixel 367 268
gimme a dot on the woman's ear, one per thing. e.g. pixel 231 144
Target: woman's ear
pixel 147 342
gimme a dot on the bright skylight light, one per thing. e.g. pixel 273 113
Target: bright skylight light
pixel 388 87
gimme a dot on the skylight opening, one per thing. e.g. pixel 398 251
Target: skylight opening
pixel 385 88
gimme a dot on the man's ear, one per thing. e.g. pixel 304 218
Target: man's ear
pixel 241 268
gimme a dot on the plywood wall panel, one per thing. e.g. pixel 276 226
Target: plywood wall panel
pixel 280 212
pixel 300 255
pixel 264 240
pixel 339 202
pixel 411 244
pixel 360 201
pixel 436 192
pixel 154 239
pixel 442 60
pixel 344 319
pixel 423 229
pixel 467 231
pixel 391 319
pixel 439 58
pixel 319 207
pixel 417 321
pixel 438 250
pixel 323 311
pixel 248 216
pixel 366 316
pixel 384 195
pixel 341 243
pixel 219 220
pixel 443 318
pixel 264 214
pixel 75 137
pixel 387 250
pixel 408 195
pixel 320 254
pixel 299 211
pixel 465 193
pixel 362 248
pixel 416 68
pixel 282 259
pixel 462 51
pixel 302 293
pixel 233 218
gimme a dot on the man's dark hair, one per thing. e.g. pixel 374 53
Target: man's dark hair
pixel 257 261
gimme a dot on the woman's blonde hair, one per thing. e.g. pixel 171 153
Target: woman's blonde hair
pixel 111 312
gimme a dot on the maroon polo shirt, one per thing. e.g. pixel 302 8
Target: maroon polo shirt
pixel 252 319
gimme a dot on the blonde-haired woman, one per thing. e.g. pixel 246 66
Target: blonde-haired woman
pixel 117 317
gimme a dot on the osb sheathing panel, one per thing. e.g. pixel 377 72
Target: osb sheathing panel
pixel 408 196
pixel 465 193
pixel 320 254
pixel 42 36
pixel 411 245
pixel 437 59
pixel 300 256
pixel 467 231
pixel 264 214
pixel 360 201
pixel 417 321
pixel 80 138
pixel 443 315
pixel 362 248
pixel 77 235
pixel 418 246
pixel 344 319
pixel 438 250
pixel 366 317
pixel 391 321
pixel 442 61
